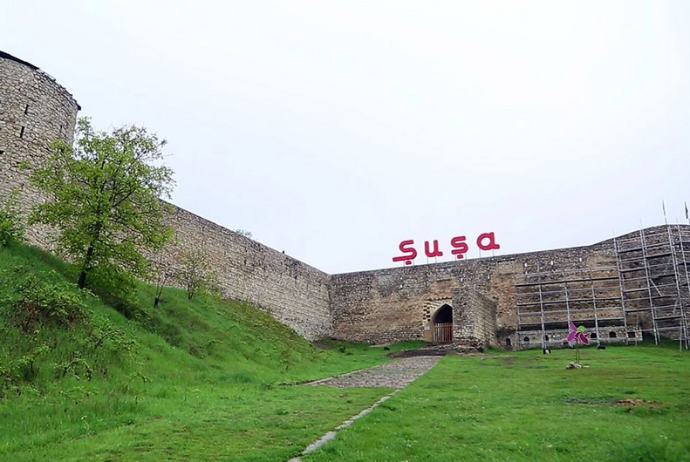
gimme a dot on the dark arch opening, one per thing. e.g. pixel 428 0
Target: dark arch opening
pixel 526 339
pixel 612 334
pixel 442 322
pixel 443 315
pixel 508 342
pixel 594 335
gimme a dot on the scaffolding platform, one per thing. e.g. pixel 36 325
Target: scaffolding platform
pixel 643 290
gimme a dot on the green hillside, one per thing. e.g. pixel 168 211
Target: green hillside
pixel 84 380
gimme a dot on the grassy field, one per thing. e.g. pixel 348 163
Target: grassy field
pixel 86 379
pixel 629 404
pixel 197 380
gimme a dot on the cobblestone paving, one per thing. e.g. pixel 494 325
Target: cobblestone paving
pixel 397 374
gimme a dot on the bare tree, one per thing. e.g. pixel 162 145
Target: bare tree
pixel 196 274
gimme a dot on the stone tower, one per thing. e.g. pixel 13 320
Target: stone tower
pixel 34 111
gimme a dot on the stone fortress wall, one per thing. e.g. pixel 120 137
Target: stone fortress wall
pixel 291 291
pixel 35 110
pixel 618 289
pixel 398 303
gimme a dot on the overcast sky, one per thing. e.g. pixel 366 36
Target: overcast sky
pixel 335 130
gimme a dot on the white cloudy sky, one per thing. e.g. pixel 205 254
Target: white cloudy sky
pixel 335 130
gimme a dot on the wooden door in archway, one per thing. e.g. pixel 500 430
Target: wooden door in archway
pixel 442 325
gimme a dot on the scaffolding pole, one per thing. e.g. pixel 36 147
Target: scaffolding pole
pixel 655 264
pixel 546 301
pixel 649 289
pixel 683 335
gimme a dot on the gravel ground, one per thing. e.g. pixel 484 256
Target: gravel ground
pixel 397 374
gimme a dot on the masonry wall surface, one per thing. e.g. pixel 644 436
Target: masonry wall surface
pixel 291 291
pixel 398 303
pixel 476 320
pixel 378 306
pixel 35 110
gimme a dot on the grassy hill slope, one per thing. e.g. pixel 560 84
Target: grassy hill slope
pixel 81 379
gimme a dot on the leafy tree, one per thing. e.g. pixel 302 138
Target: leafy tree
pixel 11 220
pixel 104 197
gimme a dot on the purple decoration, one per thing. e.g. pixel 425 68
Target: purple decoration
pixel 577 333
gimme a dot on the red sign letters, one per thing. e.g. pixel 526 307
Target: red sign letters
pixel 485 241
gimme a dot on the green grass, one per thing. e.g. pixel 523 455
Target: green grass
pixel 196 380
pixel 525 406
pixel 202 380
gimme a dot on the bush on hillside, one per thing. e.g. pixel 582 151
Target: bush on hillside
pixel 32 299
pixel 37 310
pixel 11 221
pixel 196 274
pixel 116 288
pixel 23 369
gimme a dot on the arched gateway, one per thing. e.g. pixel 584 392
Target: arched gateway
pixel 442 325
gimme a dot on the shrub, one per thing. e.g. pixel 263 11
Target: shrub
pixel 104 334
pixel 23 369
pixel 116 288
pixel 196 274
pixel 32 299
pixel 76 366
pixel 11 220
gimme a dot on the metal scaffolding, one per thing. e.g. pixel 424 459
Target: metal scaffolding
pixel 643 289
pixel 548 298
pixel 655 283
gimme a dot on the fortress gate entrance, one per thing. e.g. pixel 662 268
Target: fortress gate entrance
pixel 442 325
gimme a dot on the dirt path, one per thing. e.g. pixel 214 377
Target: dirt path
pixel 396 375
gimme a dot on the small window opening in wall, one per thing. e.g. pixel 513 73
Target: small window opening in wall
pixel 594 335
pixel 508 342
pixel 2 152
pixel 630 334
pixel 612 334
pixel 21 132
pixel 546 337
pixel 526 339
pixel 26 109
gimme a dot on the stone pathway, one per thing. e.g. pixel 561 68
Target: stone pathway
pixel 396 375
